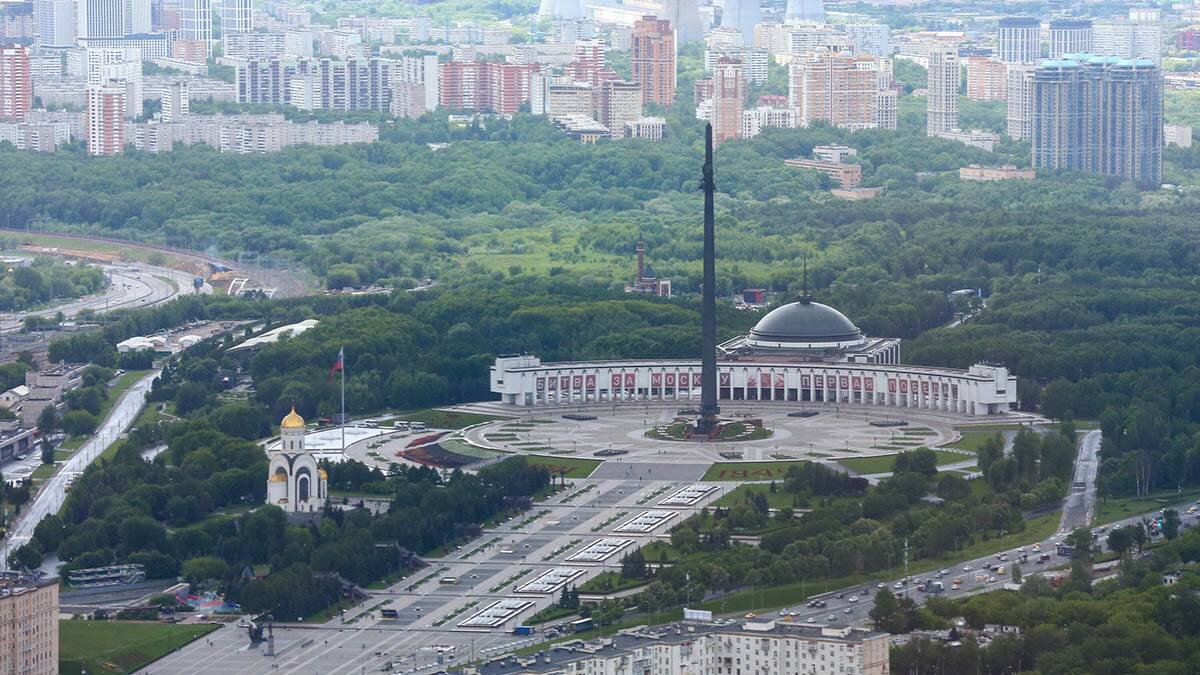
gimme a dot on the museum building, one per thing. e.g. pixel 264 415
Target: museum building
pixel 803 351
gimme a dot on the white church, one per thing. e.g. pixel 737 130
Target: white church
pixel 294 481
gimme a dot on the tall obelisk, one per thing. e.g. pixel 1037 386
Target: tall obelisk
pixel 708 309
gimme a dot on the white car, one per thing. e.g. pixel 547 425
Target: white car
pixel 944 571
pixel 853 598
pixel 967 568
pixel 898 585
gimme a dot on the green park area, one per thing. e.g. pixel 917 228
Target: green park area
pixel 883 463
pixel 777 499
pixel 1112 510
pixel 568 467
pixel 120 646
pixel 771 597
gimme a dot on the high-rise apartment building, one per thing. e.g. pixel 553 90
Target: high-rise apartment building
pixel 101 18
pixel 317 84
pixel 1070 36
pixel 755 120
pixel 942 97
pixel 140 19
pixel 1019 94
pixel 652 59
pixel 481 85
pixel 174 101
pixel 1140 37
pixel 106 65
pixel 16 85
pixel 729 95
pixel 195 22
pixel 54 21
pixel 684 16
pixel 743 16
pixel 237 16
pixel 29 626
pixel 1102 115
pixel 812 11
pixel 1131 141
pixel 753 60
pixel 869 37
pixel 987 79
pixel 1019 39
pixel 105 119
pixel 620 103
pixel 840 88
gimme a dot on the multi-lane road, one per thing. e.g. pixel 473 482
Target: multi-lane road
pixel 1080 503
pixel 50 498
pixel 130 286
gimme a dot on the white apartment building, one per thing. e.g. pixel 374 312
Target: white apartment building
pixel 755 120
pixel 754 60
pixel 752 648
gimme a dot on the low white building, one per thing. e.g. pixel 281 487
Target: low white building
pixel 757 648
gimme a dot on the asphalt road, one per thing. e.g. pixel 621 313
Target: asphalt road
pixel 129 286
pixel 51 497
pixel 1081 500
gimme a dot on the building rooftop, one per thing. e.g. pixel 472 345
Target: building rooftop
pixel 555 658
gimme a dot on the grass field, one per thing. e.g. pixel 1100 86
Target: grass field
pixel 973 439
pixel 573 467
pixel 120 646
pixel 446 419
pixel 748 470
pixel 883 463
pixel 776 500
pixel 1112 510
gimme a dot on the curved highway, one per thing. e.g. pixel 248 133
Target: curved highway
pixel 130 286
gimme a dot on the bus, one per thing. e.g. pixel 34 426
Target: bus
pixel 448 580
pixel 581 625
pixel 389 614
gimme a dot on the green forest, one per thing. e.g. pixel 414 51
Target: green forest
pixel 46 279
pixel 1133 623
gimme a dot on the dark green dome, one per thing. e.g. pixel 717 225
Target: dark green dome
pixel 805 322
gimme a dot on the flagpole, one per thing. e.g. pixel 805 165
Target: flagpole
pixel 343 358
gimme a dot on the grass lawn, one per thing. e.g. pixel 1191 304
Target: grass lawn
pixel 781 596
pixel 654 552
pixel 973 439
pixel 551 613
pixel 749 470
pixel 446 419
pixel 883 463
pixel 573 467
pixel 1111 510
pixel 120 646
pixel 610 582
pixel 777 500
pixel 43 472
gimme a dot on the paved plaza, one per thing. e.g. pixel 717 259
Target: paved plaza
pixel 834 432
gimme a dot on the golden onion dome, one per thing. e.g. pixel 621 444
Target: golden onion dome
pixel 292 420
